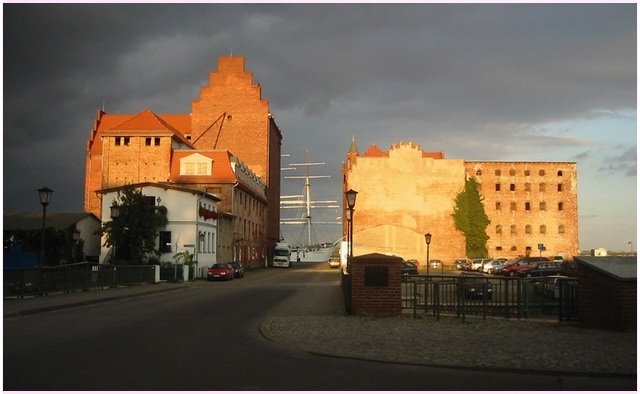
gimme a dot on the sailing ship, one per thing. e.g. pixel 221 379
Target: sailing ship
pixel 307 249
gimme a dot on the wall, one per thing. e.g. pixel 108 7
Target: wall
pixel 605 302
pixel 370 300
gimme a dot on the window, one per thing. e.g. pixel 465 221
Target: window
pixel 147 141
pixel 498 248
pixel 150 200
pixel 561 229
pixel 498 206
pixel 543 229
pixel 479 172
pixel 118 139
pixel 542 172
pixel 560 206
pixel 543 187
pixel 559 172
pixel 514 248
pixel 527 187
pixel 498 229
pixel 527 229
pixel 156 141
pixel 527 206
pixel 528 249
pixel 165 242
pixel 527 173
pixel 498 172
pixel 127 140
pixel 543 206
pixel 497 187
pixel 513 206
pixel 512 172
pixel 512 229
pixel 559 187
pixel 512 187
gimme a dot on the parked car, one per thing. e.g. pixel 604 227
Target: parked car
pixel 435 263
pixel 408 268
pixel 478 264
pixel 222 271
pixel 334 261
pixel 462 264
pixel 540 269
pixel 238 269
pixel 493 266
pixel 558 259
pixel 549 287
pixel 512 269
pixel 475 286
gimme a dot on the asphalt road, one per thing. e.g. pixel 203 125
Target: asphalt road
pixel 207 337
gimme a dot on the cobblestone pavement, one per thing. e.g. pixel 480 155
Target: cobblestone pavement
pixel 476 343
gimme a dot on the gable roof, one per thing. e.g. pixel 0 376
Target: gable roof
pixel 144 123
pixel 33 220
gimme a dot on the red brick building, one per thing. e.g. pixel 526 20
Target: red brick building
pixel 405 192
pixel 229 118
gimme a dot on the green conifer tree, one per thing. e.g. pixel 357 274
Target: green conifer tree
pixel 470 218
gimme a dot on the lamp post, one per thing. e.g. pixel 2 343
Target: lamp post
pixel 76 237
pixel 351 202
pixel 45 199
pixel 427 239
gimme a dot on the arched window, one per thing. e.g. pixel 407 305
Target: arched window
pixel 543 229
pixel 561 229
pixel 527 229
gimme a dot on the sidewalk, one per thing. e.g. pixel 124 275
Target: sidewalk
pixel 29 305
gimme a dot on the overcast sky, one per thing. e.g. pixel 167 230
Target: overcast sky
pixel 502 82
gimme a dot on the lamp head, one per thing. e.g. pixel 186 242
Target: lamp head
pixel 45 196
pixel 427 238
pixel 351 198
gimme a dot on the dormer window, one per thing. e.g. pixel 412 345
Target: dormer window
pixel 196 164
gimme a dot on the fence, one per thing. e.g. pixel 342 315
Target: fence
pixel 490 296
pixel 20 282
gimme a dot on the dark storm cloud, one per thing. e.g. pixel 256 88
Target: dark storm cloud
pixel 472 80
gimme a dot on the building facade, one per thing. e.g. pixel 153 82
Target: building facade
pixel 405 192
pixel 229 145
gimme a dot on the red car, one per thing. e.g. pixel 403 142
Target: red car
pixel 222 271
pixel 528 262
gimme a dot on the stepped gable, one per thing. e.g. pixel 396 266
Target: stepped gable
pixel 374 151
pixel 413 145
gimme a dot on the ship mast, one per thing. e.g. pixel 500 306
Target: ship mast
pixel 306 197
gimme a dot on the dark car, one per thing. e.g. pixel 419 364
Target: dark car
pixel 475 286
pixel 462 264
pixel 540 269
pixel 221 271
pixel 408 268
pixel 550 286
pixel 238 269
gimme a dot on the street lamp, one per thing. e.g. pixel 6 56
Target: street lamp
pixel 427 239
pixel 351 202
pixel 45 198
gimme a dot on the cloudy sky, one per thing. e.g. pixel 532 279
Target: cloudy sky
pixel 502 82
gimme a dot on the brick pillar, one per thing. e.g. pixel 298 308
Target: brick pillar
pixel 376 285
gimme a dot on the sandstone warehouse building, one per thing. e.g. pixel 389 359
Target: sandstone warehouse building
pixel 406 192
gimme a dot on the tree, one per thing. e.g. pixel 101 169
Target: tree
pixel 470 218
pixel 133 233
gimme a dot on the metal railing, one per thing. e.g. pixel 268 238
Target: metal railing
pixel 21 282
pixel 509 297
